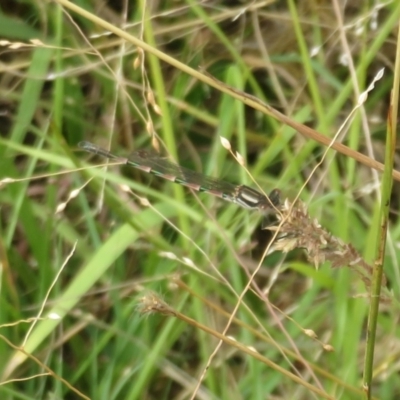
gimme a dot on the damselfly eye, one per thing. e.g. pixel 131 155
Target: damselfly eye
pixel 275 197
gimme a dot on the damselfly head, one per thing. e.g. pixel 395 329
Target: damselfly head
pixel 275 198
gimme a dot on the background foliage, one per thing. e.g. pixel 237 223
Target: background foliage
pixel 81 249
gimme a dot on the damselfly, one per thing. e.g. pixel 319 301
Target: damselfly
pixel 156 165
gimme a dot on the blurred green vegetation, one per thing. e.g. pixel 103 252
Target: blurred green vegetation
pixel 77 240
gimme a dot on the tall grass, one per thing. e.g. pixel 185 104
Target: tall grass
pixel 120 285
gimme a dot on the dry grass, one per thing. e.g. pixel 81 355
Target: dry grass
pixel 233 310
